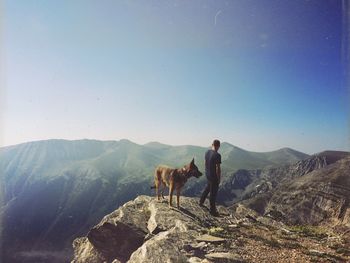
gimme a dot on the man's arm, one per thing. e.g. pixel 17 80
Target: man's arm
pixel 218 167
pixel 206 160
pixel 218 171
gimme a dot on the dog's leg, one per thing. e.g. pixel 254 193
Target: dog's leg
pixel 178 190
pixel 157 183
pixel 171 190
pixel 158 195
pixel 163 189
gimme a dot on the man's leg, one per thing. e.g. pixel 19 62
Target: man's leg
pixel 205 193
pixel 213 192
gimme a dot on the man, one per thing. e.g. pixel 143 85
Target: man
pixel 213 173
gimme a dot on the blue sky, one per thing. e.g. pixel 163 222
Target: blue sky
pixel 259 74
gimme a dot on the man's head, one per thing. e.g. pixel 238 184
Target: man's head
pixel 216 145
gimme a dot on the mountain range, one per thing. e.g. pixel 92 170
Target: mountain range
pixel 55 190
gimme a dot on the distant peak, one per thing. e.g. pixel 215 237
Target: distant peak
pixel 332 152
pixel 286 149
pixel 125 141
pixel 229 145
pixel 332 156
pixel 155 144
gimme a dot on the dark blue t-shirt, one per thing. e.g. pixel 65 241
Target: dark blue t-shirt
pixel 212 158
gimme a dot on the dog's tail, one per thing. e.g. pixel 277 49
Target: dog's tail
pixel 155 177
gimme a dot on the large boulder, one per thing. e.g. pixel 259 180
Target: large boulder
pixel 124 229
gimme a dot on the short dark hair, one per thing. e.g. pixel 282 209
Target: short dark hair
pixel 216 143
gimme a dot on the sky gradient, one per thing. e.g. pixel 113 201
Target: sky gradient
pixel 261 74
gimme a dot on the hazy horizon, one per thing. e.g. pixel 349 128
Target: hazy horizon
pixel 262 75
pixel 169 144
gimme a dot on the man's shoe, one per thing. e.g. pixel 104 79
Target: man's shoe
pixel 201 204
pixel 214 213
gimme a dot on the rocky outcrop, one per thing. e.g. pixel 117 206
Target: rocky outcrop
pixel 147 230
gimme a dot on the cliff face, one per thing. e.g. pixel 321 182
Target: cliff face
pixel 322 196
pixel 147 230
pixel 259 184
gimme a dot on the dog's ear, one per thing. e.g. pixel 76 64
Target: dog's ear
pixel 192 162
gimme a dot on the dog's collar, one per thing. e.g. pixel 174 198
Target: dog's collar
pixel 184 172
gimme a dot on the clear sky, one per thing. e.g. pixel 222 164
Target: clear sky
pixel 260 74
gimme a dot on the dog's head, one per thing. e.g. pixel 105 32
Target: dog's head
pixel 192 170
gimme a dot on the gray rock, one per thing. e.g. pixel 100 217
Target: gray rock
pixel 198 260
pixel 194 260
pixel 210 238
pixel 200 245
pixel 85 252
pixel 224 257
pixel 165 247
pixel 124 229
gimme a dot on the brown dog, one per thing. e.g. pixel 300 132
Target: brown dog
pixel 174 179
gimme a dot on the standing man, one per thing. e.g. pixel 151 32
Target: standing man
pixel 213 173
